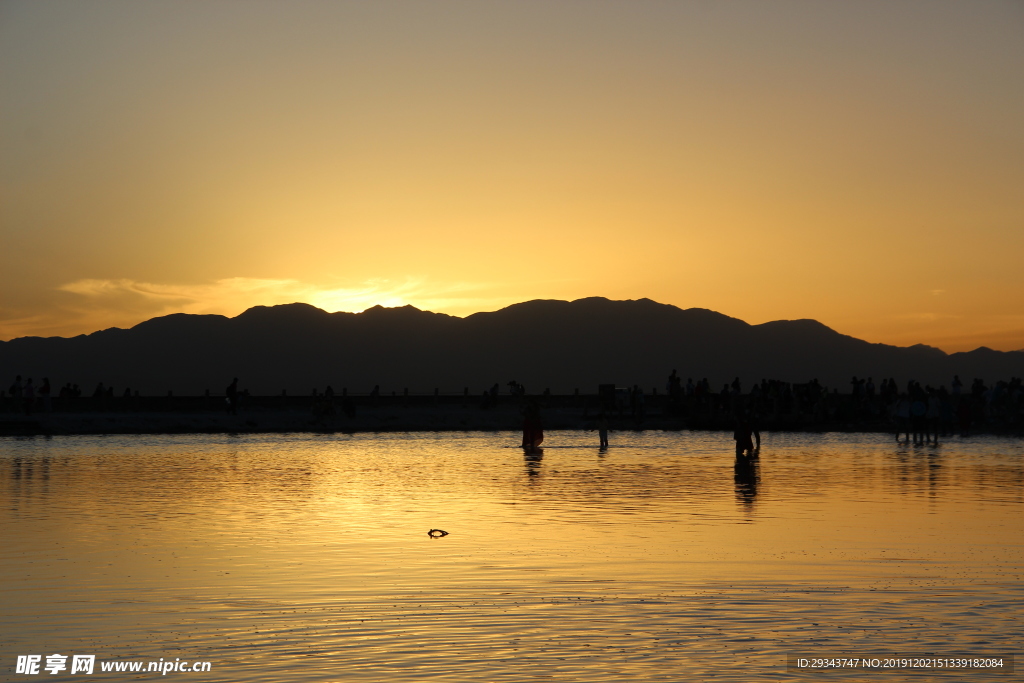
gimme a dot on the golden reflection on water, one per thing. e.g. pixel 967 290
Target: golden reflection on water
pixel 304 557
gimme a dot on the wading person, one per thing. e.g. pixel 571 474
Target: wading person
pixel 602 429
pixel 744 437
pixel 533 431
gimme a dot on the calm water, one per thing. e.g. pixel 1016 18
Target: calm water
pixel 306 557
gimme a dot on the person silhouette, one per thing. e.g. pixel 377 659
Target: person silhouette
pixel 232 393
pixel 44 395
pixel 744 437
pixel 533 431
pixel 29 395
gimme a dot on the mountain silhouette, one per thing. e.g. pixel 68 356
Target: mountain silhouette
pixel 560 345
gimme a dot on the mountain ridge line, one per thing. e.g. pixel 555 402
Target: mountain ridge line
pixel 543 343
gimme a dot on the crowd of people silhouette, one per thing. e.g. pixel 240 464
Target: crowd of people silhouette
pixel 919 413
pixel 914 412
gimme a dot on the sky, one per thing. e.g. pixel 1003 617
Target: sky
pixel 858 163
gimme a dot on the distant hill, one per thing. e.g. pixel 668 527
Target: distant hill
pixel 560 345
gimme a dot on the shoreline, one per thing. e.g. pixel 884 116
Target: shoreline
pixel 408 418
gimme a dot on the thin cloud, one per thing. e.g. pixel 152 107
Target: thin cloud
pixel 222 293
pixel 925 317
pixel 91 304
pixel 230 296
pixel 1004 332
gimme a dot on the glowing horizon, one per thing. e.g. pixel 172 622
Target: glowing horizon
pixel 859 165
pixel 233 296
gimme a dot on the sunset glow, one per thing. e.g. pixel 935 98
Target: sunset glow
pixel 859 164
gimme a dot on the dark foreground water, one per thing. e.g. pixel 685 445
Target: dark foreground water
pixel 306 558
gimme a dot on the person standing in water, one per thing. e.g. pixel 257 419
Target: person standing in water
pixel 533 431
pixel 744 437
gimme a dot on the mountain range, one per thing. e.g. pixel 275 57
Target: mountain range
pixel 543 344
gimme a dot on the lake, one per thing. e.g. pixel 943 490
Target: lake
pixel 306 557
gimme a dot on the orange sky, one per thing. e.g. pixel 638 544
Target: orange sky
pixel 857 163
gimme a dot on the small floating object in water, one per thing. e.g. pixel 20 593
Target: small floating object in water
pixel 437 533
